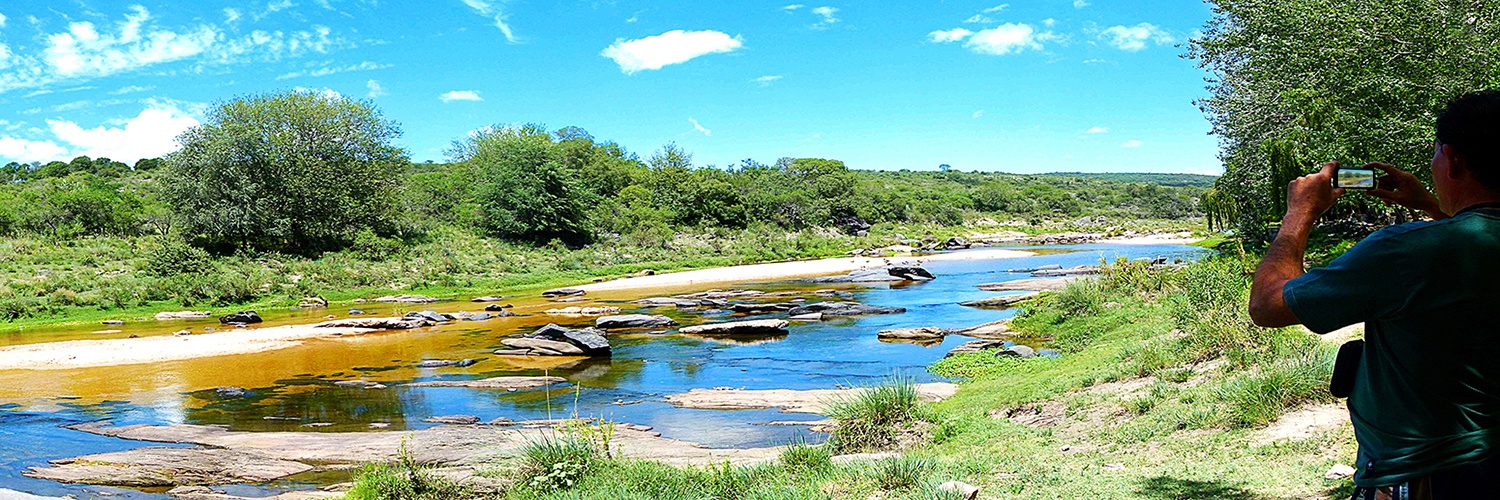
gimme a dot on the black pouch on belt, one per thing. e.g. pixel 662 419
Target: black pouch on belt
pixel 1344 367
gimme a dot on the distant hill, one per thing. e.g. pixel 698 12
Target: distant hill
pixel 1173 180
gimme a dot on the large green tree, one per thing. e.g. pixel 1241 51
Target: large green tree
pixel 525 191
pixel 1296 83
pixel 294 171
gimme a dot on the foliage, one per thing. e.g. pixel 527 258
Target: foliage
pixel 525 192
pixel 298 171
pixel 902 472
pixel 405 479
pixel 1282 105
pixel 870 418
pixel 802 457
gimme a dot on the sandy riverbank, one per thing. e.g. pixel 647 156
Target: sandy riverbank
pixel 1155 239
pixel 789 270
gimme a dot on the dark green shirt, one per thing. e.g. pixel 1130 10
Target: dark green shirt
pixel 1427 394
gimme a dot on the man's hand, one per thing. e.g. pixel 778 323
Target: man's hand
pixel 1398 187
pixel 1307 197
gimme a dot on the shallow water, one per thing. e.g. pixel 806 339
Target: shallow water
pixel 295 386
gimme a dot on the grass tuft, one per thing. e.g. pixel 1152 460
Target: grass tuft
pixel 870 419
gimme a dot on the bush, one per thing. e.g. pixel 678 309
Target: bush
pixel 172 257
pixel 557 462
pixel 802 457
pixel 1257 398
pixel 870 418
pixel 526 192
pixel 902 472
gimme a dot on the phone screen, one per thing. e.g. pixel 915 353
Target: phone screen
pixel 1355 178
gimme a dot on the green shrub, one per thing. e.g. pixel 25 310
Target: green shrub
pixel 171 257
pixel 1257 398
pixel 870 418
pixel 976 365
pixel 556 462
pixel 902 472
pixel 802 457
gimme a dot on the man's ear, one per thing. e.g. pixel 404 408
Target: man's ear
pixel 1458 166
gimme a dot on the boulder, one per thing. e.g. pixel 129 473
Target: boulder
pixel 910 273
pixel 547 347
pixel 377 323
pixel 634 321
pixel 1002 301
pixel 584 311
pixel 182 315
pixel 312 303
pixel 666 301
pixel 507 383
pixel 844 309
pixel 452 419
pixel 433 316
pixel 923 333
pixel 761 308
pixel 465 362
pixel 995 329
pixel 879 275
pixel 357 312
pixel 563 292
pixel 113 322
pixel 1019 351
pixel 489 298
pixel 484 316
pixel 759 326
pixel 853 224
pixel 975 346
pixel 406 299
pixel 157 466
pixel 436 363
pixel 808 317
pixel 497 307
pixel 242 317
pixel 588 339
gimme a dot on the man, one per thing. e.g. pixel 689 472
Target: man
pixel 1426 397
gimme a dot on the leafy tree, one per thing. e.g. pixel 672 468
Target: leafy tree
pixel 526 192
pixel 297 171
pixel 1300 82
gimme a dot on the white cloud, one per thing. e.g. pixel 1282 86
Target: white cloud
pixel 633 19
pixel 485 8
pixel 375 89
pixel 996 8
pixel 952 35
pixel 329 70
pixel 1009 38
pixel 1094 61
pixel 131 89
pixel 1135 38
pixel 700 128
pixel 1097 130
pixel 1132 144
pixel 672 47
pixel 231 15
pixel 977 114
pixel 460 95
pixel 978 18
pixel 25 151
pixel 1049 22
pixel 2 20
pixel 828 16
pixel 150 134
pixel 1079 4
pixel 765 81
pixel 793 7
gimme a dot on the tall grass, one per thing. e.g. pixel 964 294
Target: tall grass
pixel 871 418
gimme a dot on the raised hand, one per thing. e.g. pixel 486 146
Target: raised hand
pixel 1307 197
pixel 1399 187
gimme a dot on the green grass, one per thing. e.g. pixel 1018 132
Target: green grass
pixel 871 419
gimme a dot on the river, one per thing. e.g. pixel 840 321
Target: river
pixel 295 387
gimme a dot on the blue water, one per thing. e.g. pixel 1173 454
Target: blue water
pixel 627 387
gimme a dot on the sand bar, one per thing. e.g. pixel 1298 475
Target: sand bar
pixel 788 270
pixel 155 349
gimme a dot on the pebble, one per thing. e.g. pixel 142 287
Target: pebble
pixel 1338 472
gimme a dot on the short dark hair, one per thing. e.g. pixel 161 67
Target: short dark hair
pixel 1471 124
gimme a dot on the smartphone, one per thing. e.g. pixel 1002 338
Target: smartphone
pixel 1355 178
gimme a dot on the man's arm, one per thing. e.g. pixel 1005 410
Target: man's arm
pixel 1307 198
pixel 1399 187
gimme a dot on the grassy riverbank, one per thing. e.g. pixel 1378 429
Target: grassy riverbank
pixel 1164 390
pixel 89 279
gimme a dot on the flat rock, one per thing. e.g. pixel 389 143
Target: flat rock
pixel 879 275
pixel 242 317
pixel 759 326
pixel 583 311
pixel 561 348
pixel 808 317
pixel 1029 284
pixel 436 363
pixel 1070 271
pixel 666 301
pixel 406 299
pixel 762 308
pixel 976 346
pixel 923 333
pixel 590 340
pixel 497 307
pixel 489 298
pixel 507 383
pixel 844 309
pixel 360 384
pixel 992 330
pixel 1019 351
pixel 182 315
pixel 157 466
pixel 1002 301
pixel 791 401
pixel 634 321
pixel 563 292
pixel 452 419
pixel 433 316
pixel 376 323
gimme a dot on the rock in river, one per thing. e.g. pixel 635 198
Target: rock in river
pixel 588 339
pixel 877 275
pixel 452 419
pixel 563 292
pixel 156 466
pixel 242 317
pixel 762 308
pixel 759 326
pixel 376 323
pixel 489 298
pixel 507 383
pixel 844 309
pixel 497 307
pixel 584 311
pixel 433 316
pixel 182 315
pixel 923 333
pixel 634 321
pixel 407 299
pixel 544 347
pixel 1030 284
pixel 1002 301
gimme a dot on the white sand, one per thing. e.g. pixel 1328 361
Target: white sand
pixel 787 270
pixel 93 353
pixel 1155 239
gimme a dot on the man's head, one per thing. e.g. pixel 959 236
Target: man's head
pixel 1467 151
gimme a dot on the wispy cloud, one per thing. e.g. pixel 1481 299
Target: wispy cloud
pixel 460 95
pixel 700 128
pixel 952 35
pixel 1135 38
pixel 1097 130
pixel 231 15
pixel 765 81
pixel 330 70
pixel 977 114
pixel 978 18
pixel 1009 38
pixel 485 8
pixel 1131 144
pixel 828 14
pixel 672 47
pixel 2 20
pixel 130 89
pixel 1079 4
pixel 793 7
pixel 996 8
pixel 375 90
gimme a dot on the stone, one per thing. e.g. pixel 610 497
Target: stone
pixel 489 298
pixel 571 299
pixel 506 383
pixel 436 363
pixel 1001 302
pixel 484 316
pixel 1029 285
pixel 844 309
pixel 808 317
pixel 242 317
pixel 963 490
pixel 452 419
pixel 956 243
pixel 992 330
pixel 634 321
pixel 975 346
pixel 406 299
pixel 590 340
pixel 923 333
pixel 878 275
pixel 433 316
pixel 161 316
pixel 760 326
pixel 157 466
pixel 357 312
pixel 666 301
pixel 761 308
pixel 583 311
pixel 1071 271
pixel 563 292
pixel 312 303
pixel 497 307
pixel 231 392
pixel 512 352
pixel 114 322
pixel 561 348
pixel 466 362
pixel 1019 351
pixel 1339 472
pixel 910 273
pixel 360 384
pixel 376 323
pixel 180 333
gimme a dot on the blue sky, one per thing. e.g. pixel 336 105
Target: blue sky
pixel 1017 85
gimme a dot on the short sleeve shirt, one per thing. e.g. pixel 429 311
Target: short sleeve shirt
pixel 1427 394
